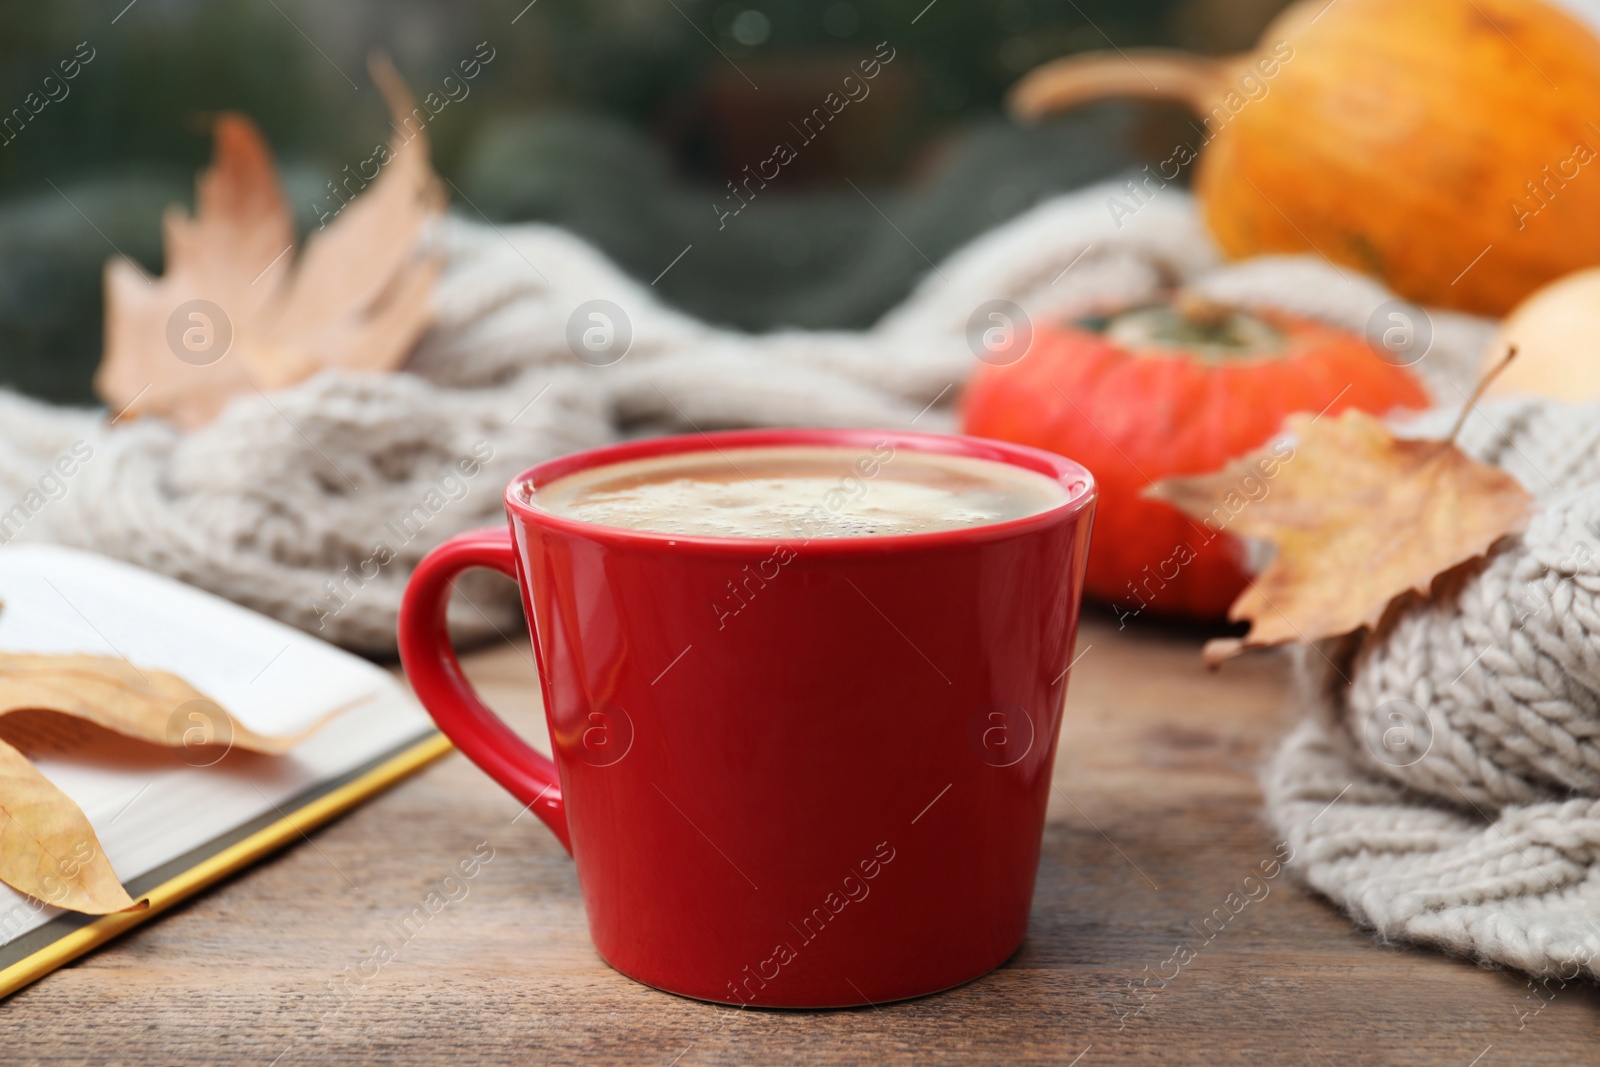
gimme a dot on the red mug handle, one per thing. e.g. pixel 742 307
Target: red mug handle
pixel 431 665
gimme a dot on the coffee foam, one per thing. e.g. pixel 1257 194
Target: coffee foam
pixel 800 493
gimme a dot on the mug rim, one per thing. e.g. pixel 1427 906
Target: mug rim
pixel 1079 483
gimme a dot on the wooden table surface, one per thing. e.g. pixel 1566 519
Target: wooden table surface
pixel 1156 819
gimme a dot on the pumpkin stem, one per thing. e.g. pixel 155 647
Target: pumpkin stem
pixel 1204 329
pixel 1202 311
pixel 1147 73
pixel 1477 393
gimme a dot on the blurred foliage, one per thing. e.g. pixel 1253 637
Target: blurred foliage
pixel 620 119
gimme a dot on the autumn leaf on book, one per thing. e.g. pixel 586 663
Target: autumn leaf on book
pixel 47 847
pixel 1358 518
pixel 238 311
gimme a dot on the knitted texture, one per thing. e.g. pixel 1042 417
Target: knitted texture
pixel 1446 788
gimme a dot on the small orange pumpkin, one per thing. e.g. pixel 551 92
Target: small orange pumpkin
pixel 1179 387
pixel 1450 148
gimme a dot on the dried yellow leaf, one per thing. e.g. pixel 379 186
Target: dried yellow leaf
pixel 1358 517
pixel 146 704
pixel 47 847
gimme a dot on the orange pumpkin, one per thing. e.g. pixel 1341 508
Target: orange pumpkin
pixel 1450 148
pixel 1174 388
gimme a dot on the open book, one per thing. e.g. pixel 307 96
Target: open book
pixel 169 827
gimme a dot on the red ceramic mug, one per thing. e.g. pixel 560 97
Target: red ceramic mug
pixel 792 774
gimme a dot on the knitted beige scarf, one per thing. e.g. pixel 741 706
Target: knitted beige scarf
pixel 1445 785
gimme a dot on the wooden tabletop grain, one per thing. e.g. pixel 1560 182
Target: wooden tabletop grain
pixel 1155 821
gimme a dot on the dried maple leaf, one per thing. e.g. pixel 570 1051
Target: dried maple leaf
pixel 47 847
pixel 235 311
pixel 1358 517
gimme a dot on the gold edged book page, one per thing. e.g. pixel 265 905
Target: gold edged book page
pixel 172 821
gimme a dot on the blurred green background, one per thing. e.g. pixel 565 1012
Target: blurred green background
pixel 621 120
